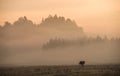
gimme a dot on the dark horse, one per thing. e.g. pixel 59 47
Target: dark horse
pixel 82 63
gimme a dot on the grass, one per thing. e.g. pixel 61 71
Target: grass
pixel 73 70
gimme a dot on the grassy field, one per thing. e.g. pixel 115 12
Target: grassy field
pixel 71 70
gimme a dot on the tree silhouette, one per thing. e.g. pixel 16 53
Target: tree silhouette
pixel 7 24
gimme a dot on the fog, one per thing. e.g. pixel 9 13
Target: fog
pixel 92 54
pixel 22 43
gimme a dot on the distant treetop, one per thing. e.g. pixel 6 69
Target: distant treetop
pixel 57 20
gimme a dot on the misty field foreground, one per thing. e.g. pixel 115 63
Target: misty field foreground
pixel 55 41
pixel 73 70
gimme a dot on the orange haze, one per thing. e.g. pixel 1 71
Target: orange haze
pixel 95 16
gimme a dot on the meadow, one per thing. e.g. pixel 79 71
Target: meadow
pixel 62 70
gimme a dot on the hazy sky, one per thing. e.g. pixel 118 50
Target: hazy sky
pixel 95 16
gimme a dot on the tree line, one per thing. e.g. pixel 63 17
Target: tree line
pixel 57 42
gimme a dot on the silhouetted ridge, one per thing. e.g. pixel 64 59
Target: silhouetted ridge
pixel 58 21
pixel 23 21
pixel 64 27
pixel 50 27
pixel 21 24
